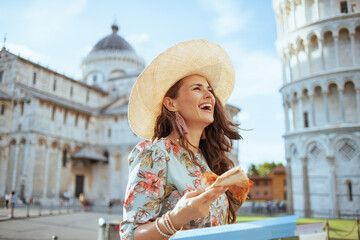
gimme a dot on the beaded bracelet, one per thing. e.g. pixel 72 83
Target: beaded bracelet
pixel 167 217
pixel 159 230
pixel 168 228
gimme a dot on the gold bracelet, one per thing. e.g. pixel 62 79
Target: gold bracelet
pixel 167 216
pixel 167 226
pixel 159 230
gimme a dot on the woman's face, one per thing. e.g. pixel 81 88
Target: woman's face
pixel 195 101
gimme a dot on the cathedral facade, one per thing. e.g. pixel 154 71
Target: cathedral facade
pixel 60 136
pixel 319 47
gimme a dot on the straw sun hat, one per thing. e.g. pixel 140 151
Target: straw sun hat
pixel 200 57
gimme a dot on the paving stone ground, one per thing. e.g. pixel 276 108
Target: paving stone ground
pixel 69 226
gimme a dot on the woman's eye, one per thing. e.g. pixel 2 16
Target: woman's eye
pixel 197 88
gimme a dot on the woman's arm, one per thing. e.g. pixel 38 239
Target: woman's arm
pixel 192 205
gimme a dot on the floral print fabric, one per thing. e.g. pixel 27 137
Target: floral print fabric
pixel 160 173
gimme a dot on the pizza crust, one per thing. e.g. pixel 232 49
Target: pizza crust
pixel 235 178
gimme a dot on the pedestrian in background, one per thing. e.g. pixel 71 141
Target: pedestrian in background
pixel 7 199
pixel 12 202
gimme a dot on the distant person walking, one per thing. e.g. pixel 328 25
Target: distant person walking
pixel 7 199
pixel 12 204
pixel 82 201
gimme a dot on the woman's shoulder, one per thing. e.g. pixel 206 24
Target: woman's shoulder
pixel 161 144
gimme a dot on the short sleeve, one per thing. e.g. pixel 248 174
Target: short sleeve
pixel 145 189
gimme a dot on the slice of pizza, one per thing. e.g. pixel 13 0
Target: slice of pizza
pixel 237 181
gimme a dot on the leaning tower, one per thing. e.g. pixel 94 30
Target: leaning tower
pixel 319 47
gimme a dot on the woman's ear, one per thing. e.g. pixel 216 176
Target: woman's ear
pixel 170 104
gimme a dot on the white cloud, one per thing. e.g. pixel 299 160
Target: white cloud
pixel 228 17
pixel 139 38
pixel 24 52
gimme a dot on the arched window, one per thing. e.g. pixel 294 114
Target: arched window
pixel 106 155
pixel 64 157
pixel 349 188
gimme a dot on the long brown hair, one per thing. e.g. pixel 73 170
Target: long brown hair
pixel 216 146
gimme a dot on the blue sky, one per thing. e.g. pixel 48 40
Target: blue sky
pixel 59 34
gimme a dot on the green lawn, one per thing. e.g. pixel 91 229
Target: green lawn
pixel 337 226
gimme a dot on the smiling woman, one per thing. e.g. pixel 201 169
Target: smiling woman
pixel 177 102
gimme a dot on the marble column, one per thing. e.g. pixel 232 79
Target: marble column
pixel 293 8
pixel 317 9
pixel 333 187
pixel 336 46
pixel 326 107
pixel 301 111
pixel 349 6
pixel 321 46
pixel 332 7
pixel 313 117
pixel 46 171
pixel 358 103
pixel 283 67
pixel 4 159
pixel 287 125
pixel 353 53
pixel 342 107
pixel 16 161
pixel 58 171
pixel 298 63
pixel 308 55
pixel 289 188
pixel 289 66
pixel 307 207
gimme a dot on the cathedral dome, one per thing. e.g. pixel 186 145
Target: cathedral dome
pixel 113 42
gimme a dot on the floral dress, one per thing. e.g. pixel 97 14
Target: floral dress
pixel 160 173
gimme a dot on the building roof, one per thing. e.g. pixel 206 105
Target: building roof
pixel 87 153
pixel 61 101
pixel 57 73
pixel 279 170
pixel 267 177
pixel 113 42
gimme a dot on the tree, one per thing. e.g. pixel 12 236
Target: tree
pixel 253 171
pixel 262 169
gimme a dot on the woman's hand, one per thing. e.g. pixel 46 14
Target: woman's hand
pixel 194 205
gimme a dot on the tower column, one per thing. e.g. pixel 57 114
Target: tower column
pixel 313 120
pixel 316 2
pixel 358 102
pixel 301 111
pixel 320 43
pixel 307 208
pixel 332 186
pixel 308 55
pixel 298 62
pixel 286 108
pixel 352 39
pixel 289 66
pixel 336 40
pixel 293 7
pixel 342 107
pixel 283 67
pixel 289 189
pixel 326 110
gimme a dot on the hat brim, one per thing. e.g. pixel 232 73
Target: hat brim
pixel 200 57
